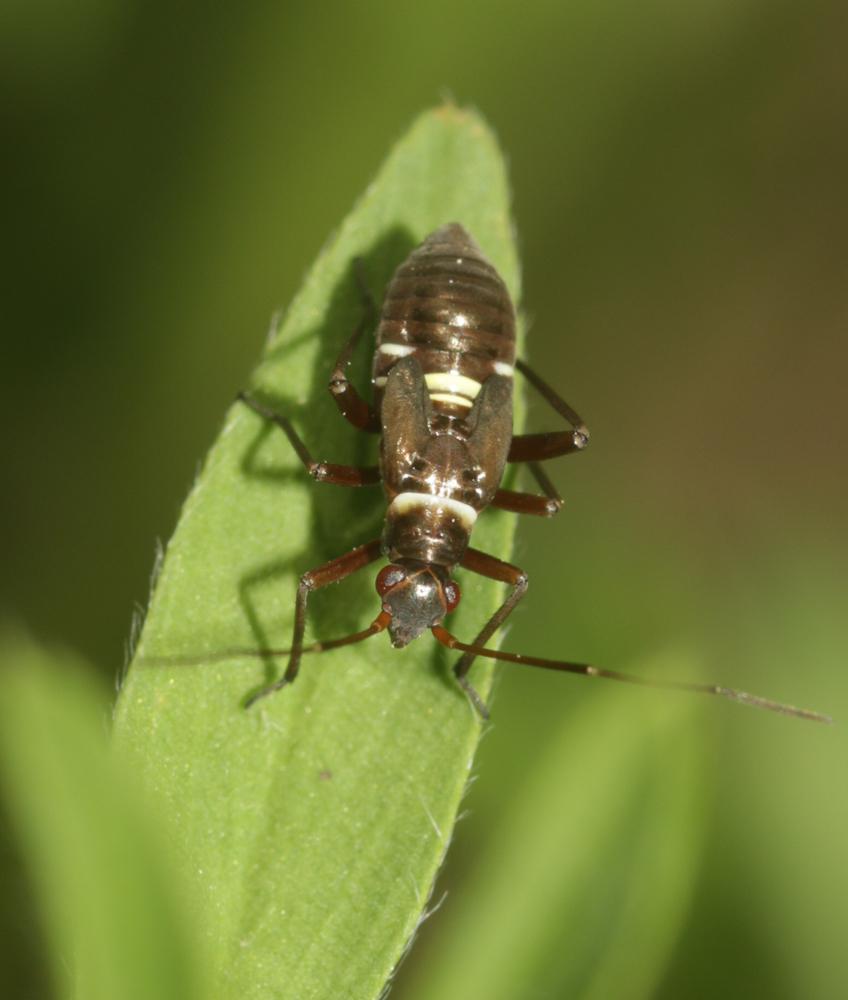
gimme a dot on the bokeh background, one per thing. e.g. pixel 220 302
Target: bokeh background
pixel 169 172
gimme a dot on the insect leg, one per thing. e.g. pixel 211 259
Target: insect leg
pixel 352 406
pixel 531 503
pixel 332 572
pixel 322 472
pixel 494 569
pixel 538 447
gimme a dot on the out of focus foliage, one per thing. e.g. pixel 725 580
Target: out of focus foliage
pixel 678 173
pixel 104 881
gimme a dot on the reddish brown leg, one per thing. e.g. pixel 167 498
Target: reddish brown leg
pixel 322 472
pixel 331 572
pixel 538 447
pixel 353 407
pixel 494 569
pixel 531 503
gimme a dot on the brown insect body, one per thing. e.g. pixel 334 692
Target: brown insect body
pixel 445 410
pixel 449 308
pixel 442 378
pixel 446 413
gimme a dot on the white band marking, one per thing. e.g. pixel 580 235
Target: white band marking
pixel 449 397
pixel 452 383
pixel 403 503
pixel 443 387
pixel 396 350
pixel 502 368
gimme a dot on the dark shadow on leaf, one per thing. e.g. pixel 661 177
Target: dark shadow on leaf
pixel 342 518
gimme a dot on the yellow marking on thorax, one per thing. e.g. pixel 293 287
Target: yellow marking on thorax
pixel 445 387
pixel 451 387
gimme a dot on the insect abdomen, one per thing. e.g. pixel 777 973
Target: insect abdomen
pixel 449 307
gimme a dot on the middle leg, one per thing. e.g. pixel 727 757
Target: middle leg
pixel 538 447
pixel 531 503
pixel 322 472
pixel 352 406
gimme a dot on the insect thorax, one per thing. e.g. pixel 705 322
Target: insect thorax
pixel 427 529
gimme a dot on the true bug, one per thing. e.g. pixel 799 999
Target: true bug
pixel 442 377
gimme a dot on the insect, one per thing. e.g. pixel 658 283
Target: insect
pixel 442 379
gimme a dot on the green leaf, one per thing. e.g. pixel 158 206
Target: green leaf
pixel 314 824
pixel 107 892
pixel 582 890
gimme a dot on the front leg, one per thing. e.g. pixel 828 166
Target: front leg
pixel 494 569
pixel 332 572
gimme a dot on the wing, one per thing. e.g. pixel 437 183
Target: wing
pixel 490 421
pixel 405 415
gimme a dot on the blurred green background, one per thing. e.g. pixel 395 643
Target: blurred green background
pixel 679 190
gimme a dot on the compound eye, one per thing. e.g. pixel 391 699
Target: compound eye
pixel 388 577
pixel 452 595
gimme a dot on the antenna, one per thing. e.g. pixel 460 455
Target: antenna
pixel 446 639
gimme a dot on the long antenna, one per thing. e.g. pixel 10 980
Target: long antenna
pixel 446 639
pixel 379 623
pixel 200 659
